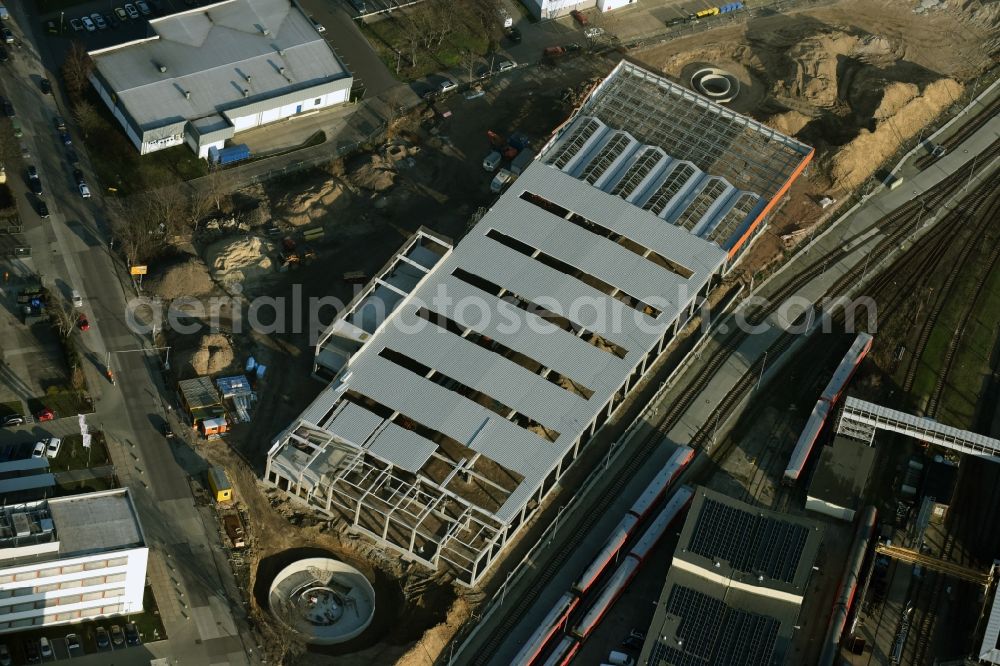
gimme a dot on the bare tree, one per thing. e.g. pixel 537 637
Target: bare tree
pixel 469 60
pixel 76 70
pixel 86 117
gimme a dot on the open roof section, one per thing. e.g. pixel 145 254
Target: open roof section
pixel 608 144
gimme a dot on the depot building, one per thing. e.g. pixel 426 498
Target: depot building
pixel 206 74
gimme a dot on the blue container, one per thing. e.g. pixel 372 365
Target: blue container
pixel 229 155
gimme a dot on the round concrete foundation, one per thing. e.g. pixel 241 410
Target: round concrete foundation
pixel 716 84
pixel 323 600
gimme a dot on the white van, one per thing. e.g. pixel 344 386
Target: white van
pixel 77 299
pixel 4 14
pixel 492 161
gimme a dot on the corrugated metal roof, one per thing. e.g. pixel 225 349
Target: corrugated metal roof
pixel 355 423
pixel 404 448
pixel 210 53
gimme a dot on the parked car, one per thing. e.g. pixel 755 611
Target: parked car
pixel 514 35
pixel 580 18
pixel 73 643
pixel 39 450
pixel 82 322
pixel 143 7
pixel 84 190
pixel 31 651
pixel 51 28
pixel 447 86
pixel 25 151
pixel 45 86
pixel 633 642
pixel 12 420
pixel 121 13
pixel 60 124
pixel 32 172
pixel 112 21
pixel 506 66
pixel 45 414
pixel 77 299
pixel 88 24
pixel 34 182
pixel 66 138
pixel 5 659
pixel 132 12
pixel 46 647
pixel 132 634
pixel 316 24
pixel 76 24
pixel 52 448
pixel 78 176
pixel 4 57
pixel 99 21
pixel 117 636
pixel 8 36
pixel 8 108
pixel 103 640
pixel 43 210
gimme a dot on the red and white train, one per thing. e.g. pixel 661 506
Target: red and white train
pixel 824 406
pixel 556 621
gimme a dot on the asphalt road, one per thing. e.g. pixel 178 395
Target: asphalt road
pixel 188 569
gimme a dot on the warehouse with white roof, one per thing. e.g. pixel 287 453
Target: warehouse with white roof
pixel 465 380
pixel 208 73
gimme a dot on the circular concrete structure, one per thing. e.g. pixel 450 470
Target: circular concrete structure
pixel 323 600
pixel 716 84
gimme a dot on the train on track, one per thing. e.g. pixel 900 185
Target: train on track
pixel 825 405
pixel 557 620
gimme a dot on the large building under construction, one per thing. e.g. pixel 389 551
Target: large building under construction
pixel 464 381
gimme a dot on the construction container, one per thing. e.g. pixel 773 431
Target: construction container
pixel 213 428
pixel 229 155
pixel 222 490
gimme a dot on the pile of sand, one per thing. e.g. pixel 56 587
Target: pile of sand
pixel 372 172
pixel 190 278
pixel 311 204
pixel 212 355
pixel 852 95
pixel 240 261
pixel 856 161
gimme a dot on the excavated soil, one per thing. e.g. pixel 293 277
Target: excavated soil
pixel 241 261
pixel 856 79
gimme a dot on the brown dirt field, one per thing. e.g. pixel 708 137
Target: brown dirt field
pixel 856 79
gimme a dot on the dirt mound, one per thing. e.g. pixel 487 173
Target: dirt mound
pixel 190 278
pixel 853 95
pixel 213 354
pixel 372 172
pixel 240 261
pixel 855 162
pixel 312 203
pixel 789 122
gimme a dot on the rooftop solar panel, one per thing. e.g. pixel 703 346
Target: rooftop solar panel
pixel 710 633
pixel 748 542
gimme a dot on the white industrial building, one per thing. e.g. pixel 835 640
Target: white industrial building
pixel 209 73
pixel 464 381
pixel 68 559
pixel 553 8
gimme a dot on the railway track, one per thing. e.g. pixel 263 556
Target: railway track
pixel 971 210
pixel 963 133
pixel 641 451
pixel 992 214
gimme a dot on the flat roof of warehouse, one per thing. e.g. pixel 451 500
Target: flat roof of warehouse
pixel 842 472
pixel 267 47
pixel 755 547
pixel 702 623
pixel 666 149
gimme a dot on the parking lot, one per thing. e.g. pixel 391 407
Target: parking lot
pixel 74 641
